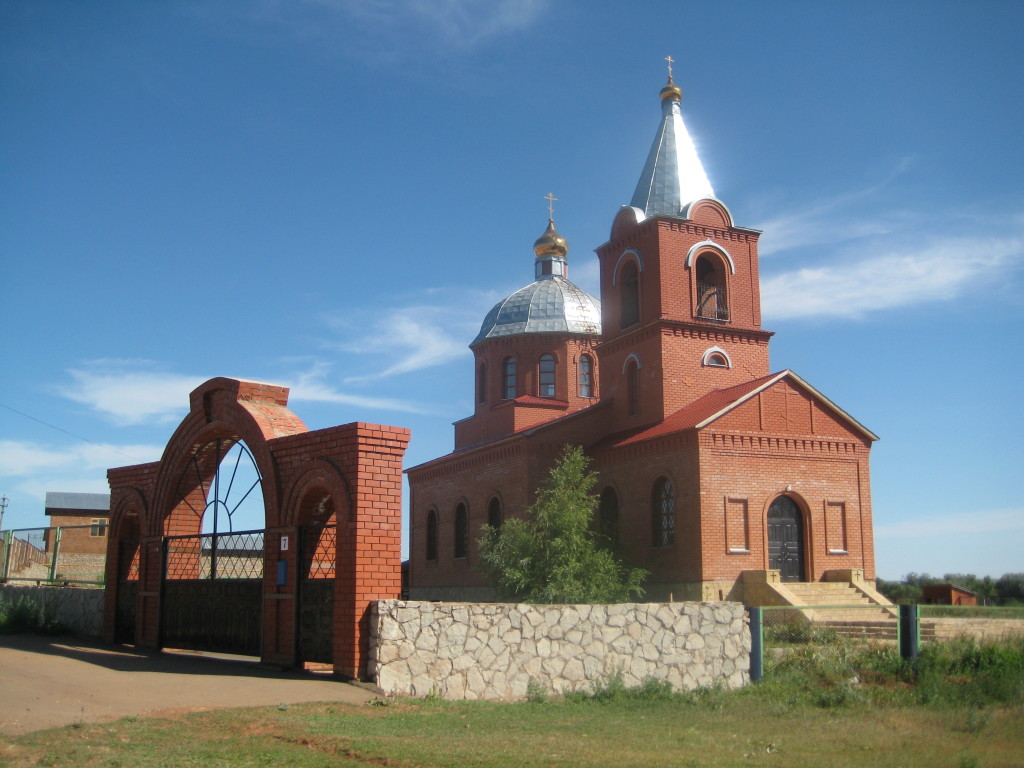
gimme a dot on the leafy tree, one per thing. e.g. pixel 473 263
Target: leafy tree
pixel 898 591
pixel 553 555
pixel 1010 588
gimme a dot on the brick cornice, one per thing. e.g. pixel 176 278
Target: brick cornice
pixel 715 332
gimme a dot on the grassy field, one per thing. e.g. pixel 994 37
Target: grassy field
pixel 736 731
pixel 755 727
pixel 821 705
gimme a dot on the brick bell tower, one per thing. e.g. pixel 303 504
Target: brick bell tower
pixel 680 293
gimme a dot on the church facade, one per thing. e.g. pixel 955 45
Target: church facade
pixel 715 473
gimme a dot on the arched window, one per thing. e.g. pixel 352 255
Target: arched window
pixel 481 383
pixel 508 378
pixel 633 386
pixel 608 515
pixel 547 376
pixel 716 357
pixel 629 295
pixel 494 513
pixel 586 376
pixel 431 535
pixel 461 530
pixel 663 513
pixel 712 302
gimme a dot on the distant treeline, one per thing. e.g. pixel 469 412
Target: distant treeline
pixel 1008 589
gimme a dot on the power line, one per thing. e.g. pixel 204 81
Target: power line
pixel 60 429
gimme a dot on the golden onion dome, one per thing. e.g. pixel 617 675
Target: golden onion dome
pixel 671 91
pixel 550 243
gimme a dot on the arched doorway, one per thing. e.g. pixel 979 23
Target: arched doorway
pixel 317 564
pixel 213 572
pixel 127 584
pixel 786 539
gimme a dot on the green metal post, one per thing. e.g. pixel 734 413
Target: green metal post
pixel 8 542
pixel 910 632
pixel 756 643
pixel 56 552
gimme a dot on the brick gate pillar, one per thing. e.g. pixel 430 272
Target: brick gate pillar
pixel 369 552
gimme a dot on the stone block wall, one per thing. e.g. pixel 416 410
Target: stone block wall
pixel 79 610
pixel 496 650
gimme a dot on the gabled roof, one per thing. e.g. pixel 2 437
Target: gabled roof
pixel 712 406
pixel 95 502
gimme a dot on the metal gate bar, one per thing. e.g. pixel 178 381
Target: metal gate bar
pixel 212 592
pixel 317 558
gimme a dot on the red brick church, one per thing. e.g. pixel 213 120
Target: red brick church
pixel 720 477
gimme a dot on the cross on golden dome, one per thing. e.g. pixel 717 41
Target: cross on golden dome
pixel 671 90
pixel 551 205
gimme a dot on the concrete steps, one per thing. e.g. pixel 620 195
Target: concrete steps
pixel 843 608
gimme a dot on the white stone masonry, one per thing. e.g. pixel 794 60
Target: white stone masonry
pixel 496 650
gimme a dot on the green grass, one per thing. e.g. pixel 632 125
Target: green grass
pixel 972 612
pixel 724 729
pixel 838 705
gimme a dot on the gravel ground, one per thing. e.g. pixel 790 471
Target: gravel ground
pixel 55 681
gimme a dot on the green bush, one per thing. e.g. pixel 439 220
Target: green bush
pixel 24 615
pixel 552 554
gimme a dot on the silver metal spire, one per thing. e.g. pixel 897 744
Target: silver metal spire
pixel 673 175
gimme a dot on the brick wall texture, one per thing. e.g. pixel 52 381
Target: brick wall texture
pixel 348 477
pixel 730 439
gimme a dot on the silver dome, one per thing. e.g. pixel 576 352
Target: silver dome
pixel 550 305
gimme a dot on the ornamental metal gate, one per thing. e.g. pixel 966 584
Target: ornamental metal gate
pixel 316 593
pixel 212 592
pixel 127 590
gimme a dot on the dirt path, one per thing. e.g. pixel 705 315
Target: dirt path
pixel 47 682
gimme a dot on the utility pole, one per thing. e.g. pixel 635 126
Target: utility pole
pixel 3 508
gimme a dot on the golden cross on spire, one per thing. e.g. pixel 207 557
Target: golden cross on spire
pixel 551 205
pixel 670 61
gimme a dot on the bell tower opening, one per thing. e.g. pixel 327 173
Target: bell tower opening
pixel 712 297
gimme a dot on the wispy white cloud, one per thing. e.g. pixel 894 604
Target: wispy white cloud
pixel 130 392
pixel 463 24
pixel 414 337
pixel 405 339
pixel 312 386
pixel 379 30
pixel 834 219
pixel 863 249
pixel 136 392
pixel 954 525
pixel 940 270
pixel 19 458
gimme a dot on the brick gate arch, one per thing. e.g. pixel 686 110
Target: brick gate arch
pixel 343 483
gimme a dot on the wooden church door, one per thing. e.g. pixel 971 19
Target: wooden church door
pixel 786 539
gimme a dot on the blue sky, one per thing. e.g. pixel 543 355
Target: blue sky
pixel 330 194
